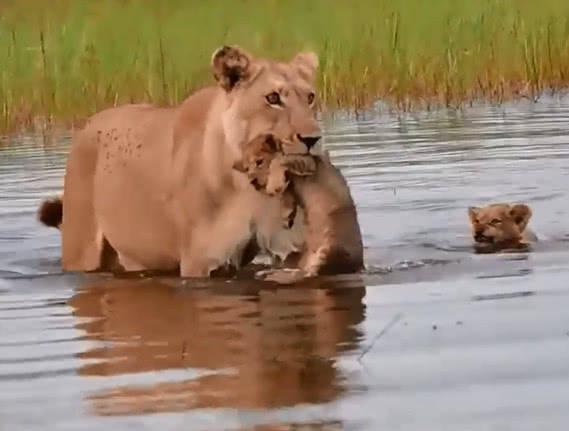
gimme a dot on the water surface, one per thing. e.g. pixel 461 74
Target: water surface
pixel 431 337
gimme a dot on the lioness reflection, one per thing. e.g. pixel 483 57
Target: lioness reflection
pixel 276 347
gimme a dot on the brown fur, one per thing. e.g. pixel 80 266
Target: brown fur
pixel 265 172
pixel 158 185
pixel 333 238
pixel 501 225
pixel 50 212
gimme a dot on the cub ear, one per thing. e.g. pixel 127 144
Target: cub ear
pixel 306 63
pixel 473 213
pixel 272 143
pixel 521 214
pixel 239 166
pixel 230 65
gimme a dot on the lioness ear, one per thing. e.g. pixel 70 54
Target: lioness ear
pixel 473 213
pixel 239 166
pixel 521 214
pixel 306 63
pixel 230 65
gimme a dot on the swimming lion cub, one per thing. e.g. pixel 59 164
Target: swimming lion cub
pixel 332 232
pixel 501 226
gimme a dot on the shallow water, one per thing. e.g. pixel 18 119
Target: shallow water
pixel 432 336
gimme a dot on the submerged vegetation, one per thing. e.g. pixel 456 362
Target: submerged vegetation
pixel 61 60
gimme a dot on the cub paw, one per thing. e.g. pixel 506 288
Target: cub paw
pixel 280 276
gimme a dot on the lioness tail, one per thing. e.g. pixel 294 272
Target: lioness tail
pixel 50 212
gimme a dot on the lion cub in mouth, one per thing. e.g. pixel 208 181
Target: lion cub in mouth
pixel 501 226
pixel 333 243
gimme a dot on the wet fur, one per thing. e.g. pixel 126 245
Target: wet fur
pixel 501 226
pixel 156 185
pixel 333 243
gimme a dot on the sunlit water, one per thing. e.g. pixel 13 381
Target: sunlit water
pixel 431 337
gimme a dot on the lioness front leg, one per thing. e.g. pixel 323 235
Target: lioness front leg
pixel 129 264
pixel 194 261
pixel 196 265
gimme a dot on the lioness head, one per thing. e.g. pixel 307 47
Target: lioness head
pixel 267 96
pixel 499 223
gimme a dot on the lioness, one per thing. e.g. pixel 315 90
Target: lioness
pixel 155 186
pixel 500 226
pixel 332 232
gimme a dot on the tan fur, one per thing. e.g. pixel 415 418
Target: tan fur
pixel 333 238
pixel 501 225
pixel 157 183
pixel 262 162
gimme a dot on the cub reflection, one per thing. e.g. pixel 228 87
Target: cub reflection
pixel 259 347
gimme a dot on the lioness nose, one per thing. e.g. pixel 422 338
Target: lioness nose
pixel 309 141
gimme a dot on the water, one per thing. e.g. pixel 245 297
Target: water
pixel 431 337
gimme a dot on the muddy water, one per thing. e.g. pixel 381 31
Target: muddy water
pixel 431 337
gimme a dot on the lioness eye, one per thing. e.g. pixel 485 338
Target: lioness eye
pixel 273 98
pixel 494 221
pixel 259 162
pixel 311 97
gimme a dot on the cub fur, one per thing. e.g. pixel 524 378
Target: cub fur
pixel 333 243
pixel 501 225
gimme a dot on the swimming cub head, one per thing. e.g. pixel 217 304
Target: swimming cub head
pixel 498 224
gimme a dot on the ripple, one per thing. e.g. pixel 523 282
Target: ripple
pixel 289 349
pixel 41 342
pixel 37 375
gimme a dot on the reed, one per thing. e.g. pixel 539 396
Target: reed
pixel 61 60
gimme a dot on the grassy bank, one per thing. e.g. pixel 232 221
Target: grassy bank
pixel 61 60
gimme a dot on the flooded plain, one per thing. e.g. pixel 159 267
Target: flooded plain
pixel 430 337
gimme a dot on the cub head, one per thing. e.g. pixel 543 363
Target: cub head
pixel 264 96
pixel 256 160
pixel 499 223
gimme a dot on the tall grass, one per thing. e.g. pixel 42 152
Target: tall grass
pixel 61 60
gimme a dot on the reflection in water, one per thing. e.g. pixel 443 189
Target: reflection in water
pixel 305 426
pixel 160 347
pixel 261 347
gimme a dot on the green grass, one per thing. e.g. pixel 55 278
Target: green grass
pixel 61 60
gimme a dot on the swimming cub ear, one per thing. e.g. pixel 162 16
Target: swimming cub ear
pixel 230 65
pixel 240 166
pixel 521 214
pixel 473 213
